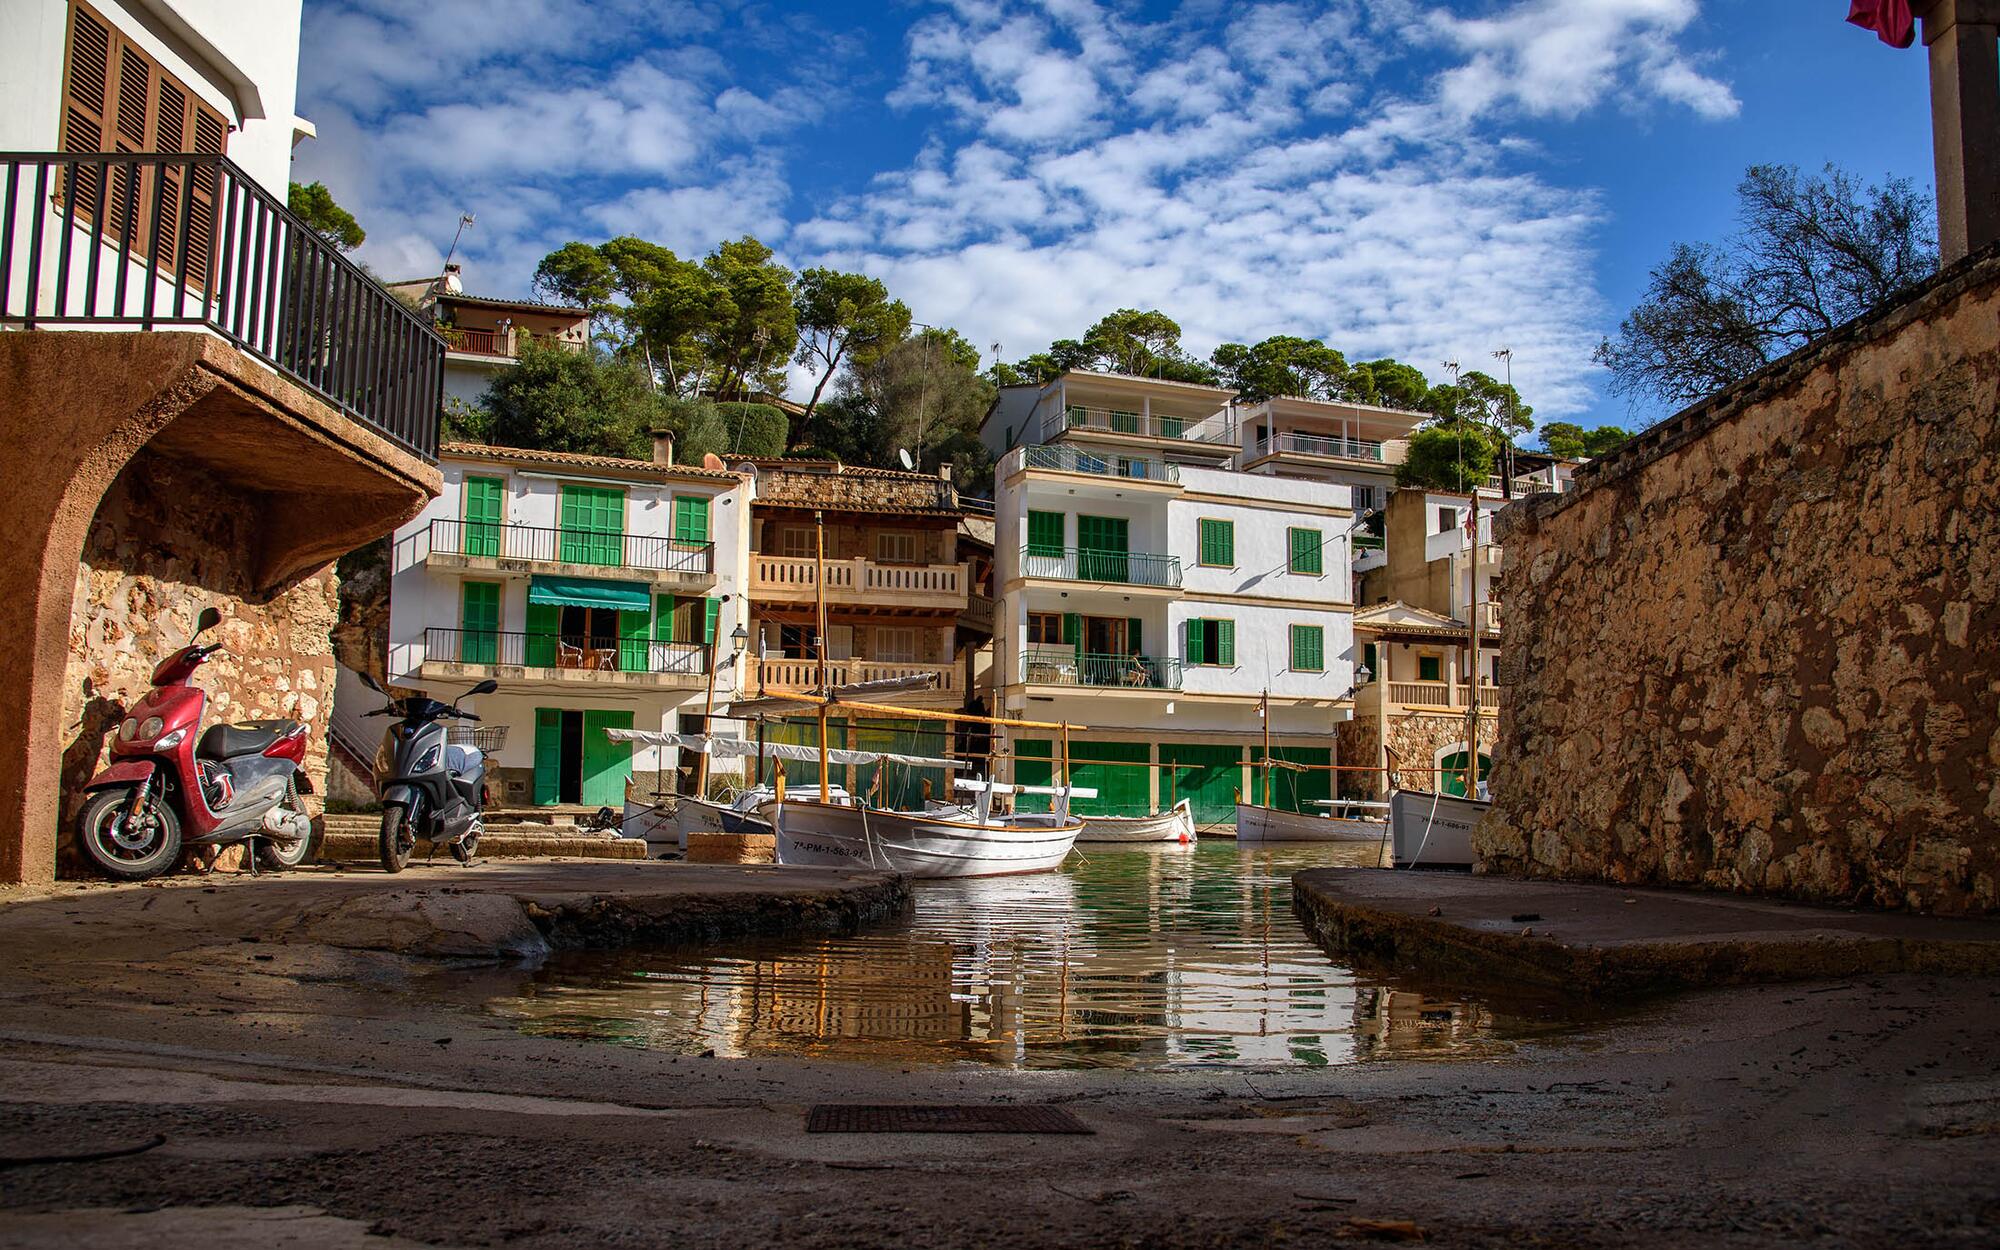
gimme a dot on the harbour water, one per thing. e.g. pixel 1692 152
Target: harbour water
pixel 1139 957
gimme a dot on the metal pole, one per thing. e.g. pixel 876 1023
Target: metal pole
pixel 708 707
pixel 1264 712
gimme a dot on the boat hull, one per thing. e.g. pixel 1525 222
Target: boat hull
pixel 915 844
pixel 1176 824
pixel 1266 824
pixel 1433 830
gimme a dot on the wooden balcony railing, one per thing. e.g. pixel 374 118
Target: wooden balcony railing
pixel 779 577
pixel 1441 694
pixel 506 343
pixel 602 549
pixel 148 240
pixel 779 672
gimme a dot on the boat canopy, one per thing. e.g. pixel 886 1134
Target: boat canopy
pixel 739 748
pixel 585 592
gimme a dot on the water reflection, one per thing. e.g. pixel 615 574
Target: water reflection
pixel 1135 957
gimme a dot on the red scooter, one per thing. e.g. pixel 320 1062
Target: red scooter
pixel 170 785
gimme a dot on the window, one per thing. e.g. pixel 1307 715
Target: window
pixel 1045 628
pixel 482 516
pixel 1210 641
pixel 116 99
pixel 897 547
pixel 1305 551
pixel 897 644
pixel 1308 649
pixel 593 523
pixel 1124 422
pixel 1430 668
pixel 691 518
pixel 479 621
pixel 1368 661
pixel 1218 543
pixel 1447 520
pixel 1045 533
pixel 1366 498
pixel 796 542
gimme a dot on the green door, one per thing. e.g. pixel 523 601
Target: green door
pixel 1107 767
pixel 479 623
pixel 1292 790
pixel 1452 768
pixel 593 525
pixel 1208 775
pixel 1033 766
pixel 482 516
pixel 548 755
pixel 1101 548
pixel 607 765
pixel 538 649
pixel 634 645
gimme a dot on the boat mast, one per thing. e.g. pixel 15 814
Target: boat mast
pixel 1264 713
pixel 819 604
pixel 1063 797
pixel 1472 673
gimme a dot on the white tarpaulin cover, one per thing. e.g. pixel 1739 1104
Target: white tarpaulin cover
pixel 739 748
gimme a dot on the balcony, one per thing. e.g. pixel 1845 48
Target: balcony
pixel 783 673
pixel 979 613
pixel 1214 430
pixel 147 241
pixel 861 582
pixel 1109 568
pixel 1063 666
pixel 1066 459
pixel 487 547
pixel 1441 694
pixel 579 660
pixel 1333 448
pixel 500 344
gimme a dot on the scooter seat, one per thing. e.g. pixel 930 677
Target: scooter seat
pixel 250 737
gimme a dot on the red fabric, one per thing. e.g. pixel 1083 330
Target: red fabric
pixel 1889 19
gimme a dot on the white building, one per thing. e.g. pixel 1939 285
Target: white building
pixel 1158 596
pixel 594 589
pixel 484 337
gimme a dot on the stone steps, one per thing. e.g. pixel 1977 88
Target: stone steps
pixel 353 839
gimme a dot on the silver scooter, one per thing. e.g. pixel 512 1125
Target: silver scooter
pixel 430 788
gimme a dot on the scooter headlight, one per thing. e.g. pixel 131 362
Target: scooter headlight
pixel 129 730
pixel 171 741
pixel 428 760
pixel 152 727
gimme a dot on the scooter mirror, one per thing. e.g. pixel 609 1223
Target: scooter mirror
pixel 372 684
pixel 485 687
pixel 207 620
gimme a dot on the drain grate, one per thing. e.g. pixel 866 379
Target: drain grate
pixel 831 1118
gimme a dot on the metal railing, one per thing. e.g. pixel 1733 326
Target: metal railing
pixel 1212 428
pixel 563 652
pixel 150 240
pixel 1062 666
pixel 1321 445
pixel 1123 568
pixel 1067 459
pixel 561 546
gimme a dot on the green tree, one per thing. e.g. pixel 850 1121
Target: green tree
pixel 615 280
pixel 754 327
pixel 1572 442
pixel 1282 365
pixel 561 400
pixel 1388 384
pixel 926 395
pixel 1810 253
pixel 313 204
pixel 842 317
pixel 1482 398
pixel 1144 344
pixel 1453 455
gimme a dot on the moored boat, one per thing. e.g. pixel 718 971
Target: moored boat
pixel 928 844
pixel 1176 824
pixel 1433 830
pixel 1269 824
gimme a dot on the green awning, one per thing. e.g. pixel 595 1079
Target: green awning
pixel 585 592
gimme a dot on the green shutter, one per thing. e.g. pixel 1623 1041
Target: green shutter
pixel 1225 643
pixel 606 764
pixel 663 618
pixel 1430 668
pixel 1208 775
pixel 1294 790
pixel 1135 631
pixel 593 525
pixel 1101 548
pixel 482 516
pixel 1368 661
pixel 632 646
pixel 1305 546
pixel 691 518
pixel 1218 543
pixel 1308 649
pixel 479 623
pixel 711 613
pixel 1045 533
pixel 1125 422
pixel 1194 651
pixel 548 754
pixel 539 649
pixel 1073 635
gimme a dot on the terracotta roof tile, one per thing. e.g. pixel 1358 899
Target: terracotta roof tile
pixel 579 460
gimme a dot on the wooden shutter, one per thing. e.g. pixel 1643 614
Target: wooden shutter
pixel 1308 649
pixel 1192 650
pixel 690 518
pixel 1045 533
pixel 1134 632
pixel 548 754
pixel 1305 551
pixel 710 614
pixel 1225 643
pixel 1218 543
pixel 663 618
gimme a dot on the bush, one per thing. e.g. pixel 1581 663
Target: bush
pixel 754 429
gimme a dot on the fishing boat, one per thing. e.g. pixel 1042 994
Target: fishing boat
pixel 954 842
pixel 1431 830
pixel 1275 824
pixel 1176 824
pixel 659 826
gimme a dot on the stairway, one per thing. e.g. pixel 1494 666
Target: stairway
pixel 352 838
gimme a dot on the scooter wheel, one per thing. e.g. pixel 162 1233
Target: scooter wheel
pixel 123 852
pixel 398 842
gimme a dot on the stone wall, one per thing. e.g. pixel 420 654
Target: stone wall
pixel 1415 738
pixel 159 550
pixel 1759 649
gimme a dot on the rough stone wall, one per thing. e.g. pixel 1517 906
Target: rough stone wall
pixel 160 549
pixel 1759 650
pixel 1415 738
pixel 1360 744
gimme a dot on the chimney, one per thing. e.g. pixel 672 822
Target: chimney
pixel 450 283
pixel 944 471
pixel 663 446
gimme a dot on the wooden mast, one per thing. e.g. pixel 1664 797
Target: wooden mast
pixel 1472 667
pixel 1264 713
pixel 819 602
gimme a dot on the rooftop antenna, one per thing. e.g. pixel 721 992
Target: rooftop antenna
pixel 464 220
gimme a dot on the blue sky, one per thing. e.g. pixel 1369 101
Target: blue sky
pixel 1417 178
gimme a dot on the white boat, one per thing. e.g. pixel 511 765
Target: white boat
pixel 739 815
pixel 929 844
pixel 1176 824
pixel 1270 824
pixel 1434 830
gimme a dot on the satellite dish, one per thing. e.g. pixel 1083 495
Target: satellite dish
pixel 903 454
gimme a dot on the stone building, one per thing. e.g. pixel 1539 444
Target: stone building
pixel 245 406
pixel 484 337
pixel 1758 648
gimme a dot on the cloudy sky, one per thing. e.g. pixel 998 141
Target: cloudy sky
pixel 1418 178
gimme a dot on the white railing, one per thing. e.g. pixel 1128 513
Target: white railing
pixel 1211 428
pixel 788 576
pixel 1322 445
pixel 1440 693
pixel 803 674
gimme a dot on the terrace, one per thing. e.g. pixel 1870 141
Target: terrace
pixel 492 547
